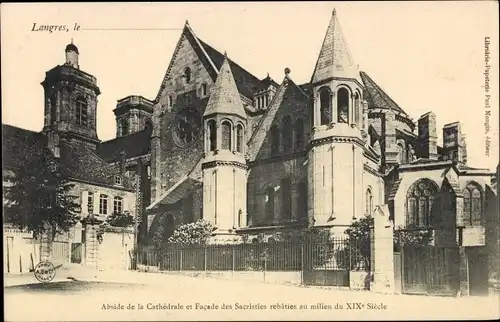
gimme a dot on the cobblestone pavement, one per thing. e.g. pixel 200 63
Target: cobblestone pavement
pixel 85 295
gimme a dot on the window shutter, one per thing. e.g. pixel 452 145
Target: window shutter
pixel 84 202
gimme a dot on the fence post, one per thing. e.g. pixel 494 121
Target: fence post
pixel 205 260
pixel 265 263
pixel 302 263
pixel 233 255
pixel 180 264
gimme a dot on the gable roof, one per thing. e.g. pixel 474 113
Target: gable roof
pixel 376 97
pixel 133 145
pixel 212 59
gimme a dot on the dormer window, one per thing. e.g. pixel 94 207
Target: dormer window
pixel 187 75
pixel 118 180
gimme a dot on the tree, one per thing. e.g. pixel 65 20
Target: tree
pixel 39 198
pixel 195 233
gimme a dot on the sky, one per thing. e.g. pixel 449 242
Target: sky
pixel 427 56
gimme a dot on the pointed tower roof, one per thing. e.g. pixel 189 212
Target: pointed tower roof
pixel 334 59
pixel 225 97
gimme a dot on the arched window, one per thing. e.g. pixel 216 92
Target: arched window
pixel 81 111
pixel 275 140
pixel 473 206
pixel 419 203
pixel 239 138
pixel 287 134
pixel 357 111
pixel 286 198
pixel 368 202
pixel 270 204
pixel 299 133
pixel 325 106
pixel 401 158
pixel 212 133
pixel 226 136
pixel 53 108
pixel 302 201
pixel 170 101
pixel 124 126
pixel 187 75
pixel 343 105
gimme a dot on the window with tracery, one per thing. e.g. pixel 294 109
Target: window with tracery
pixel 419 203
pixel 473 206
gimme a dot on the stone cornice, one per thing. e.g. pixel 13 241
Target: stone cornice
pixel 213 164
pixel 337 139
pixel 372 171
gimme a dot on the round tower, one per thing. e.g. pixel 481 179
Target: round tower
pixel 72 55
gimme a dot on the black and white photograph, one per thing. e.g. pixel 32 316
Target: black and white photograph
pixel 279 161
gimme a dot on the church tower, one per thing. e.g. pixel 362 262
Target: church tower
pixel 70 103
pixel 335 165
pixel 224 165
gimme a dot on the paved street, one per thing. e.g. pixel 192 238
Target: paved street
pixel 107 295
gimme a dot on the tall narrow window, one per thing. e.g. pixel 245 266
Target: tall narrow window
pixel 226 136
pixel 473 207
pixel 170 101
pixel 401 158
pixel 343 106
pixel 118 205
pixel 368 202
pixel 90 202
pixel 302 201
pixel 239 138
pixel 81 111
pixel 325 106
pixel 286 198
pixel 270 204
pixel 187 75
pixel 299 134
pixel 124 126
pixel 287 134
pixel 275 140
pixel 103 204
pixel 53 108
pixel 204 89
pixel 212 132
pixel 419 203
pixel 357 111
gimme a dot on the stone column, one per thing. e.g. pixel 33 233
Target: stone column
pixel 382 256
pixel 46 244
pixel 463 263
pixel 91 225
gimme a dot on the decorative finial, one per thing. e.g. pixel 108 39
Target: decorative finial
pixel 225 54
pixel 287 71
pixel 334 12
pixel 72 40
pixel 267 74
pixel 187 22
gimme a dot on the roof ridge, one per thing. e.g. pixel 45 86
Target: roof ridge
pixel 125 136
pixel 23 129
pixel 382 93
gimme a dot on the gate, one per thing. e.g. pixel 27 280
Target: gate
pixel 430 270
pixel 60 251
pixel 76 253
pixel 331 263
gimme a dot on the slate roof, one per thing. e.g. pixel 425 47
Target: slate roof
pixel 133 145
pixel 246 83
pixel 18 143
pixel 225 97
pixel 77 161
pixel 376 97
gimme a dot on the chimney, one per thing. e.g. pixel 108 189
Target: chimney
pixel 454 146
pixel 427 136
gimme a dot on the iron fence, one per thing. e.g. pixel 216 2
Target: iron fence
pixel 334 254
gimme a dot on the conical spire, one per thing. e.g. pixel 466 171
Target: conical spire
pixel 334 59
pixel 225 97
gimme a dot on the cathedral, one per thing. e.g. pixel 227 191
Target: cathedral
pixel 254 155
